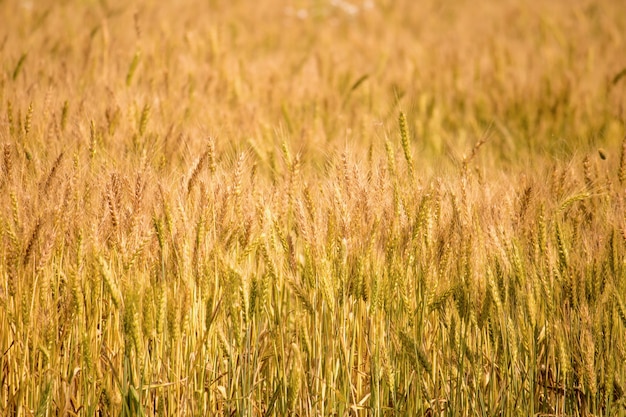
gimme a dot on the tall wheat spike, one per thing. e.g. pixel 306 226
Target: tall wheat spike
pixel 143 120
pixel 562 251
pixel 621 173
pixel 406 147
pixel 28 120
pixel 589 182
pixel 110 283
pixel 7 159
pixel 10 119
pixel 199 165
pixel 53 172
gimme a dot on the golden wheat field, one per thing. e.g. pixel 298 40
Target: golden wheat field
pixel 312 208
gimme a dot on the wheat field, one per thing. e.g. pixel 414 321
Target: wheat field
pixel 312 208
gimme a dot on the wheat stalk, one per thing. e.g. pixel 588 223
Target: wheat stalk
pixel 621 173
pixel 404 137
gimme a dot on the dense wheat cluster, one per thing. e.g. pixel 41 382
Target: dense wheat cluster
pixel 312 208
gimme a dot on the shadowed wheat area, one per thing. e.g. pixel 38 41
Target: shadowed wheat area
pixel 312 208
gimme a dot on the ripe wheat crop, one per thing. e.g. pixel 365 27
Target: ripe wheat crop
pixel 312 208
